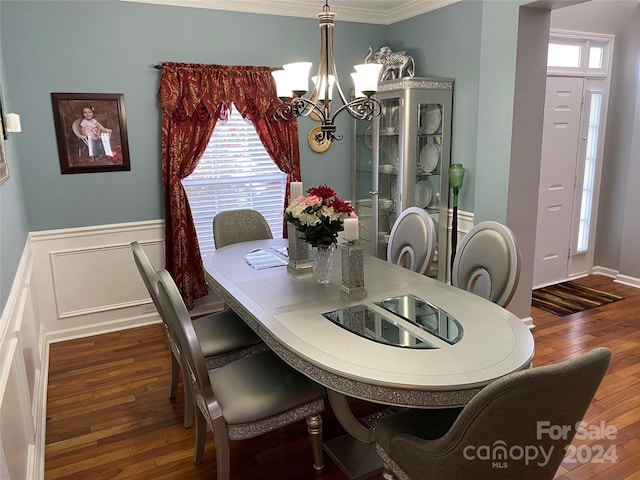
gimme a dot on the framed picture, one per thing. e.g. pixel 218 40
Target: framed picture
pixel 91 131
pixel 4 167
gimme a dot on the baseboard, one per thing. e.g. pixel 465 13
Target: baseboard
pixel 608 272
pixel 626 280
pixel 617 276
pixel 100 328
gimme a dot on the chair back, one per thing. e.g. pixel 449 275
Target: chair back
pixel 75 126
pixel 243 225
pixel 412 241
pixel 182 331
pixel 487 262
pixel 536 412
pixel 147 272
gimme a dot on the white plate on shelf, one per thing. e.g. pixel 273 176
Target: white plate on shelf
pixel 429 157
pixel 424 194
pixel 431 118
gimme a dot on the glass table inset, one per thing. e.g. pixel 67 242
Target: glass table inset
pixel 406 321
pixel 426 316
pixel 376 326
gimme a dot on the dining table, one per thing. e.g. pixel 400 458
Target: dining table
pixel 410 341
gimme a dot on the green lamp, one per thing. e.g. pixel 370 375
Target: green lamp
pixel 456 176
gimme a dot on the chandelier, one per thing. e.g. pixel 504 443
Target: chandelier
pixel 292 82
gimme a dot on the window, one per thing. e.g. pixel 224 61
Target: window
pixel 596 56
pixel 564 55
pixel 589 172
pixel 579 53
pixel 234 172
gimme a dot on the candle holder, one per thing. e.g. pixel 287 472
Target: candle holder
pixel 352 271
pixel 298 251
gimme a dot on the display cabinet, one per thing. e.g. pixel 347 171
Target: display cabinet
pixel 401 159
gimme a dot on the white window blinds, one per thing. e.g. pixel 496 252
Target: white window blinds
pixel 234 172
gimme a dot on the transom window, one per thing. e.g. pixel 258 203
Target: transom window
pixel 571 52
pixel 234 172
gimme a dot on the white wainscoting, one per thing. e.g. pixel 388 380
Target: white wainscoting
pixel 70 283
pixel 21 379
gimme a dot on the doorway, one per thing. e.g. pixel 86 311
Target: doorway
pixel 571 158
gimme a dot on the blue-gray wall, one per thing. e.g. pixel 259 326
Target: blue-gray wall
pixel 13 217
pixel 109 47
pixel 446 43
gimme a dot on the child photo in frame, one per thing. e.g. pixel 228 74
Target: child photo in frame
pixel 91 132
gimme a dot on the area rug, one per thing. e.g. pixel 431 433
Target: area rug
pixel 570 297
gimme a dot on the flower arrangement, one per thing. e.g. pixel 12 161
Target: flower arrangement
pixel 319 216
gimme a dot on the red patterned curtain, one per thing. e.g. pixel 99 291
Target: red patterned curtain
pixel 254 95
pixel 192 98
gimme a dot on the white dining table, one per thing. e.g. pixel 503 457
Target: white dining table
pixel 291 313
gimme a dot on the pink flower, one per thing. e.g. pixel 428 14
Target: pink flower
pixel 313 200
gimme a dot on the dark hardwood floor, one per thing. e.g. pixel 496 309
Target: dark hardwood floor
pixel 109 415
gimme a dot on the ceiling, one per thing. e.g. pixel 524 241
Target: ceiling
pixel 384 12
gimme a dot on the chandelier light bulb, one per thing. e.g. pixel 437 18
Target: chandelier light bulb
pixel 283 86
pixel 321 88
pixel 367 77
pixel 298 74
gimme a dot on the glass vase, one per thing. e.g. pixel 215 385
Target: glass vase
pixel 323 262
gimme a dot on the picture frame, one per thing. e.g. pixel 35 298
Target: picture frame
pixel 91 132
pixel 4 166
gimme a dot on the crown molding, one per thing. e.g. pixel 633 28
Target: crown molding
pixel 292 8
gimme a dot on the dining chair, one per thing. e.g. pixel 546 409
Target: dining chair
pixel 243 225
pixel 487 262
pixel 244 399
pixel 223 336
pixel 412 241
pixel 536 411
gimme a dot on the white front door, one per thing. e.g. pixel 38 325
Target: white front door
pixel 560 146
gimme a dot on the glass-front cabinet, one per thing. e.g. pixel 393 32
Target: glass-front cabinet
pixel 401 159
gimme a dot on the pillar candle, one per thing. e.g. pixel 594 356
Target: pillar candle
pixel 351 229
pixel 295 189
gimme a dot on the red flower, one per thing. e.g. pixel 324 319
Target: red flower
pixel 340 206
pixel 323 191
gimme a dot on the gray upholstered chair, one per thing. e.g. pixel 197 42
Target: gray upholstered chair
pixel 245 398
pixel 523 410
pixel 487 262
pixel 223 336
pixel 412 241
pixel 235 226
